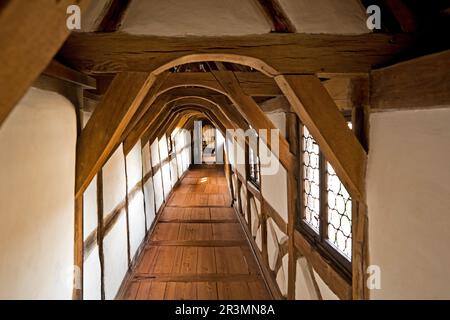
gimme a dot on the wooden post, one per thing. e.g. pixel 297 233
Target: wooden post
pixel 360 232
pixel 247 193
pixel 293 193
pixel 100 232
pixel 77 293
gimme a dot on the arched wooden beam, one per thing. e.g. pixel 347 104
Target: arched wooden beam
pixel 216 105
pixel 248 109
pixel 173 119
pixel 160 106
pixel 219 121
pixel 161 99
pixel 168 82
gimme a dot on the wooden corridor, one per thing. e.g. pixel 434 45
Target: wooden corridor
pixel 198 249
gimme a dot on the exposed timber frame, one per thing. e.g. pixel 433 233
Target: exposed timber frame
pixel 306 95
pixel 420 83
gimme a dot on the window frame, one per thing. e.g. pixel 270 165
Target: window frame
pixel 319 240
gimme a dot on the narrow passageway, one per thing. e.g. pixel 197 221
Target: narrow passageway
pixel 198 249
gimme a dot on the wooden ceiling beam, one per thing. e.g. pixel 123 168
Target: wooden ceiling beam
pixel 283 53
pixel 277 16
pixel 59 71
pixel 107 123
pixel 31 32
pixel 318 112
pixel 420 83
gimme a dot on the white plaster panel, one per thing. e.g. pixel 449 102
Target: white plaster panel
pixel 272 244
pixel 274 186
pixel 173 171
pixel 37 170
pixel 92 276
pixel 194 17
pixel 326 16
pixel 154 149
pixel 146 161
pixel 408 198
pixel 90 219
pixel 325 291
pixel 165 170
pixel 114 181
pixel 136 222
pixel 149 202
pixel 115 257
pixel 303 282
pixel 134 166
pixel 279 121
pixel 158 189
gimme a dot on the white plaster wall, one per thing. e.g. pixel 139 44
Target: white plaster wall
pixel 37 170
pixel 194 17
pixel 408 195
pixel 149 202
pixel 90 219
pixel 173 171
pixel 92 276
pixel 136 214
pixel 137 227
pixel 304 286
pixel 115 256
pixel 185 144
pixel 325 291
pixel 115 243
pixel 114 181
pixel 149 195
pixel 165 169
pixel 326 16
pixel 279 120
pixel 179 145
pixel 146 160
pixel 157 177
pixel 230 151
pixel 239 156
pixel 274 185
pixel 220 140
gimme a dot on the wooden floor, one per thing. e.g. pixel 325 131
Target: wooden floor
pixel 198 249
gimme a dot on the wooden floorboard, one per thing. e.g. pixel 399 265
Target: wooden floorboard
pixel 198 249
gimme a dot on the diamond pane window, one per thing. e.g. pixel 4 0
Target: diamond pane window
pixel 311 178
pixel 326 204
pixel 339 214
